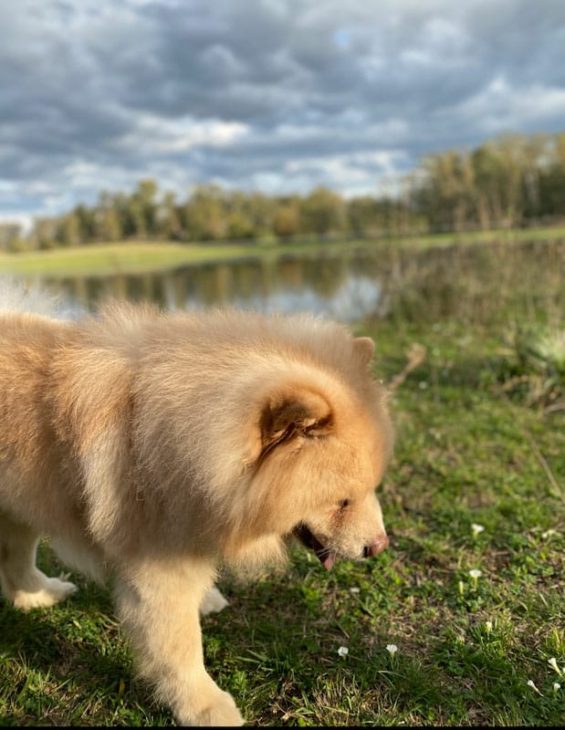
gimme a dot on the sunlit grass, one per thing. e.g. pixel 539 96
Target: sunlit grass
pixel 467 643
pixel 470 592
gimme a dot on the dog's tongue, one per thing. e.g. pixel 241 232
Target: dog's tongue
pixel 328 561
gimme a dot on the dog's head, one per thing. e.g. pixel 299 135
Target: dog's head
pixel 321 441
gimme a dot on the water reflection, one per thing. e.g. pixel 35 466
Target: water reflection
pixel 465 282
pixel 343 288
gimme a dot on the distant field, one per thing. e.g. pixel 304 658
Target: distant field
pixel 141 256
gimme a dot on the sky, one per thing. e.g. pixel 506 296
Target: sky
pixel 271 95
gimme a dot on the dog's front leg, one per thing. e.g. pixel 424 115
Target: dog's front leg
pixel 158 603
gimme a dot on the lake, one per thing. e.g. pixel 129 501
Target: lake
pixel 347 285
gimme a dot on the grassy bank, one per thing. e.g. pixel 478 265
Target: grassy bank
pixel 467 648
pixel 472 449
pixel 138 257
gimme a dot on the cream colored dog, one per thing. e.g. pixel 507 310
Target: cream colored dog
pixel 156 447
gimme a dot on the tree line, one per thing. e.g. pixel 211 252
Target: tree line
pixel 514 180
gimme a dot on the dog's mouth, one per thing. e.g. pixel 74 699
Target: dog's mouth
pixel 326 556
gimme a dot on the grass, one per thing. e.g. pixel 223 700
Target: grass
pixel 468 452
pixel 139 256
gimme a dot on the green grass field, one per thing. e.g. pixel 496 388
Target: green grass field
pixel 466 648
pixel 470 650
pixel 138 257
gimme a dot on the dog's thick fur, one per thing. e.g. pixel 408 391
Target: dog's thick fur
pixel 155 447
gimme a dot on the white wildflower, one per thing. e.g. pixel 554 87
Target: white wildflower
pixel 556 686
pixel 488 626
pixel 475 573
pixel 392 649
pixel 553 664
pixel 477 529
pixel 354 590
pixel 533 686
pixel 343 651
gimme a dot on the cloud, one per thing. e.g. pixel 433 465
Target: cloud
pixel 152 135
pixel 280 94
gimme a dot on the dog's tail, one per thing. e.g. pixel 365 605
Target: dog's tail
pixel 17 296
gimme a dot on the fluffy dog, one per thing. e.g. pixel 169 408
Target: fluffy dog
pixel 155 447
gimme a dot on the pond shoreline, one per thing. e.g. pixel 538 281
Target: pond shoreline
pixel 143 256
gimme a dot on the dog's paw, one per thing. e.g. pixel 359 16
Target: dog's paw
pixel 213 602
pixel 221 712
pixel 49 592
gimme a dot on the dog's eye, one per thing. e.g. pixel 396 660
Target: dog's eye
pixel 344 503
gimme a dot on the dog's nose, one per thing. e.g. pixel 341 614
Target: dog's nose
pixel 376 547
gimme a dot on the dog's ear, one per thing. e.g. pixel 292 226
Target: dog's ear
pixel 364 348
pixel 293 412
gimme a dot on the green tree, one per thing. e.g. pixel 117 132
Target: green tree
pixel 168 221
pixel 238 209
pixel 204 216
pixel 45 232
pixel 323 212
pixel 86 221
pixel 552 179
pixel 286 222
pixel 261 210
pixel 68 230
pixel 10 234
pixel 145 197
pixel 108 225
pixel 362 216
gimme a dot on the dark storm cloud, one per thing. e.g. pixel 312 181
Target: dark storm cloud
pixel 279 94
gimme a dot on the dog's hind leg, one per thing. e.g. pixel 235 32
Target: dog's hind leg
pixel 22 582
